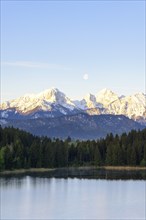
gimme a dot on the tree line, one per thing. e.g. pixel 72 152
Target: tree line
pixel 20 149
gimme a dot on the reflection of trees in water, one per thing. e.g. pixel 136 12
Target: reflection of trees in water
pixel 43 177
pixel 16 181
pixel 19 180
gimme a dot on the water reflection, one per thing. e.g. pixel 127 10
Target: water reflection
pixel 80 173
pixel 71 198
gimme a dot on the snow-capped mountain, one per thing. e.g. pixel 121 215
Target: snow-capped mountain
pixel 88 102
pixel 49 103
pixel 54 103
pixel 133 106
pixel 106 97
pixel 107 102
pixel 42 101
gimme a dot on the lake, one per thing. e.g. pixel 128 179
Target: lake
pixel 45 196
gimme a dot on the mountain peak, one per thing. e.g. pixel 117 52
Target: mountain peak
pixel 52 94
pixel 106 91
pixel 50 90
pixel 53 100
pixel 106 96
pixel 90 97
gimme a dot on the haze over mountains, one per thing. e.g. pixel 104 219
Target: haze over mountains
pixel 54 114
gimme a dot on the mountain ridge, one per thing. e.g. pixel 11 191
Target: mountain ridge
pixel 53 103
pixel 78 126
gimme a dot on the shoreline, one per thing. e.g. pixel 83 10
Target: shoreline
pixel 43 170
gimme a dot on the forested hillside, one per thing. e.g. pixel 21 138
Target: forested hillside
pixel 19 149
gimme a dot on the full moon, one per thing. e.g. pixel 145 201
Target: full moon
pixel 85 76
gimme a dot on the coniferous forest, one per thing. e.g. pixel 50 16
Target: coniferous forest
pixel 19 149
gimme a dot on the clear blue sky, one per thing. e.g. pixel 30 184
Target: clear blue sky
pixel 53 44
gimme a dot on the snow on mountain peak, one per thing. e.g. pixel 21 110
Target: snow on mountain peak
pixel 106 96
pixel 105 91
pixel 90 97
pixel 52 95
pixel 42 101
pixel 88 102
pixel 104 102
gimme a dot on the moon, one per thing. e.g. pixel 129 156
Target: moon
pixel 85 76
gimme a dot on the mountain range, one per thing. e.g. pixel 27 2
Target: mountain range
pixel 79 118
pixel 53 103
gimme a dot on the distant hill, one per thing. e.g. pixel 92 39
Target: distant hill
pixel 79 126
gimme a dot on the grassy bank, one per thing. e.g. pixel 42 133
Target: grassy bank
pixel 41 170
pixel 23 171
pixel 124 168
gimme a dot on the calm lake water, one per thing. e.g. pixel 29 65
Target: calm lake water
pixel 43 197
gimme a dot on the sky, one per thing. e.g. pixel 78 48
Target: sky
pixel 75 46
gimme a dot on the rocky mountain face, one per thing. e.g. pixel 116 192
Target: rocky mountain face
pixel 53 103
